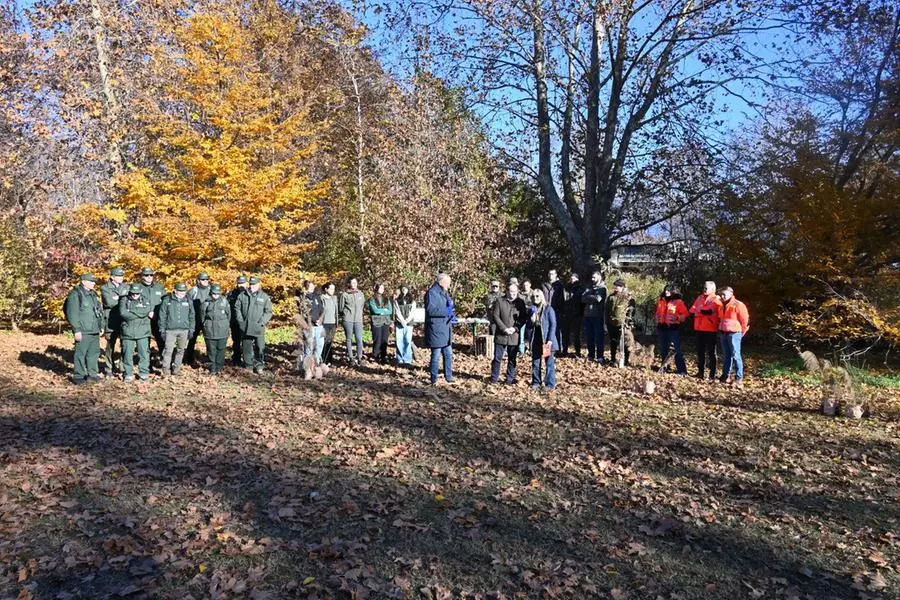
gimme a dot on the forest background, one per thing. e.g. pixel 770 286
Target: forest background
pixel 754 143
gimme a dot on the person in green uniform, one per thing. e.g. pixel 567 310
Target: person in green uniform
pixel 216 317
pixel 254 311
pixel 617 315
pixel 153 293
pixel 240 287
pixel 136 312
pixel 85 316
pixel 198 295
pixel 111 292
pixel 176 325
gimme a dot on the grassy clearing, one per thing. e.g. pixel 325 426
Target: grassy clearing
pixel 371 484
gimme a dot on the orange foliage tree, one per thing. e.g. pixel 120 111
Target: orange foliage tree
pixel 226 185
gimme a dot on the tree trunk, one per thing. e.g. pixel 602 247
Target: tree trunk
pixel 101 46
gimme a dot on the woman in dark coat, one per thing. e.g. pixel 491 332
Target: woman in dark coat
pixel 439 320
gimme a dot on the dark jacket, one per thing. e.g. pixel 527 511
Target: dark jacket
pixel 548 327
pixel 176 314
pixel 316 308
pixel 574 309
pixel 555 295
pixel 216 315
pixel 381 310
pixel 508 313
pixel 351 306
pixel 198 295
pixel 594 300
pixel 617 308
pixel 403 307
pixel 153 294
pixel 438 316
pixel 489 302
pixel 135 317
pixel 233 296
pixel 111 294
pixel 254 311
pixel 83 310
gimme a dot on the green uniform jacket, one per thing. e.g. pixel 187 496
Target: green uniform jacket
pixel 233 296
pixel 616 308
pixel 153 293
pixel 199 295
pixel 111 294
pixel 135 318
pixel 176 313
pixel 83 311
pixel 254 311
pixel 216 315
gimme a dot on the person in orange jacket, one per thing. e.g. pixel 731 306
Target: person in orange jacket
pixel 706 325
pixel 670 314
pixel 734 322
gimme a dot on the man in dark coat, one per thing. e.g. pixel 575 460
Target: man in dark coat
pixel 254 311
pixel 439 319
pixel 85 315
pixel 198 294
pixel 237 358
pixel 509 317
pixel 111 292
pixel 573 316
pixel 555 297
pixel 216 317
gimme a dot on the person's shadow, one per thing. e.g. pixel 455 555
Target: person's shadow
pixel 55 359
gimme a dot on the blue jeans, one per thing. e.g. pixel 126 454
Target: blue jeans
pixel 436 354
pixel 672 337
pixel 550 381
pixel 593 329
pixel 731 350
pixel 404 345
pixel 512 352
pixel 319 335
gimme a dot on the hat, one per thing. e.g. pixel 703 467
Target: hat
pixel 136 288
pixel 203 276
pixel 146 271
pixel 619 283
pixel 117 272
pixel 181 287
pixel 727 288
pixel 88 277
pixel 495 282
pixel 241 279
pixel 254 280
pixel 215 289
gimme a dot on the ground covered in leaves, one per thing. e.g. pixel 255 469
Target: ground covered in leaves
pixel 370 484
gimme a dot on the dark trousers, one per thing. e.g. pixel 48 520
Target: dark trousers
pixel 216 351
pixel 87 355
pixel 593 329
pixel 380 336
pixel 237 359
pixel 512 352
pixel 157 335
pixel 672 338
pixel 615 337
pixel 329 340
pixel 572 334
pixel 707 343
pixel 109 353
pixel 189 354
pixel 254 349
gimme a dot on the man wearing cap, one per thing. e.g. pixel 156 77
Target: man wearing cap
pixel 215 314
pixel 734 323
pixel 198 295
pixel 489 301
pixel 176 325
pixel 153 293
pixel 85 315
pixel 240 287
pixel 617 306
pixel 111 292
pixel 136 312
pixel 254 311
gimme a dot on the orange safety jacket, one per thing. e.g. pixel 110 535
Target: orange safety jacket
pixel 671 312
pixel 734 317
pixel 709 321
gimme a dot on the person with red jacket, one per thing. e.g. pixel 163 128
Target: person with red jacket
pixel 734 322
pixel 706 325
pixel 671 312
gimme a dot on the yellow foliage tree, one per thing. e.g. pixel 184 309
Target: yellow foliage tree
pixel 226 190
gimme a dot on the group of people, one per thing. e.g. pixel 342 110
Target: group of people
pixel 134 313
pixel 545 322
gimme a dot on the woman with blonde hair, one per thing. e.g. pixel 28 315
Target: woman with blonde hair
pixel 540 333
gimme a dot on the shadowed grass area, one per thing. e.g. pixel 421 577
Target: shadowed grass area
pixel 371 484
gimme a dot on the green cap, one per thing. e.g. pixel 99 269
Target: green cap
pixel 241 279
pixel 88 277
pixel 181 287
pixel 146 271
pixel 254 280
pixel 117 272
pixel 136 288
pixel 203 276
pixel 215 289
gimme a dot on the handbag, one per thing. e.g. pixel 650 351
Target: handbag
pixel 547 350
